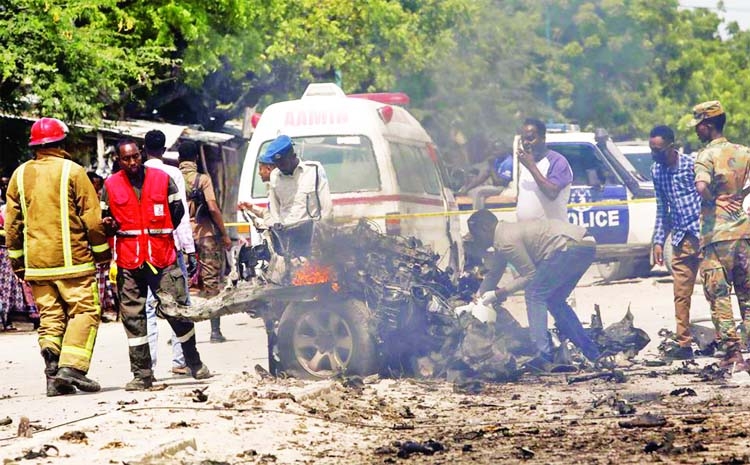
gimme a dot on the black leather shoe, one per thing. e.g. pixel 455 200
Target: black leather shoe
pixel 77 378
pixel 679 353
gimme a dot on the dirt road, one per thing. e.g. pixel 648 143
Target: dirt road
pixel 240 417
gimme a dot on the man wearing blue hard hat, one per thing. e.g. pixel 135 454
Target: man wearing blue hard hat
pixel 298 195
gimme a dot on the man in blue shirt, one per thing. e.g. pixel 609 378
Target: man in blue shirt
pixel 678 207
pixel 499 170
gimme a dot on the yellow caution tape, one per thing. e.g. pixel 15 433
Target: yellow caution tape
pixel 400 216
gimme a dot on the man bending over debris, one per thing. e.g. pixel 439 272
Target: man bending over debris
pixel 550 257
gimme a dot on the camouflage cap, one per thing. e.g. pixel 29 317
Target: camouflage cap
pixel 706 110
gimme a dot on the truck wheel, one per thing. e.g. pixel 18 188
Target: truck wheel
pixel 321 339
pixel 641 268
pixel 612 271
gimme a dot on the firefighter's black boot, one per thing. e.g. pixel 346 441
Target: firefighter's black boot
pixel 77 378
pixel 50 370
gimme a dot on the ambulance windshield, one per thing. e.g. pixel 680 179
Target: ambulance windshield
pixel 349 162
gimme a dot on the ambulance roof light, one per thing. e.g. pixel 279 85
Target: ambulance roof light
pixel 386 113
pixel 254 119
pixel 390 98
pixel 323 89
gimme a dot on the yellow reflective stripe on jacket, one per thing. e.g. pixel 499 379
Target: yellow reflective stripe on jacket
pixel 60 270
pixel 65 215
pixel 15 253
pixel 68 266
pixel 22 199
pixel 100 248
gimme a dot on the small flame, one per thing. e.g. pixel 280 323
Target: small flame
pixel 313 273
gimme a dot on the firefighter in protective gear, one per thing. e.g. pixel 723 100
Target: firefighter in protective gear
pixel 145 204
pixel 54 237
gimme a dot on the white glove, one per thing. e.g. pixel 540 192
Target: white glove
pixel 488 298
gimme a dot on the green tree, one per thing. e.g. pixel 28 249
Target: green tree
pixel 270 50
pixel 65 59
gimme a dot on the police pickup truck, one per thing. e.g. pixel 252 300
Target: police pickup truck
pixel 608 195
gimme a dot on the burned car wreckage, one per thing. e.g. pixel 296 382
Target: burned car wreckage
pixel 364 302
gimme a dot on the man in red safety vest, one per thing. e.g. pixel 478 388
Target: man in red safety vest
pixel 144 205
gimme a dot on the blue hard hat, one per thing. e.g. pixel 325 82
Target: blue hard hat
pixel 266 158
pixel 278 148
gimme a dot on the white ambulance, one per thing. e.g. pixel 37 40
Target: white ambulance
pixel 380 163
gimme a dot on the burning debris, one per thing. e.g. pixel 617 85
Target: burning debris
pixel 367 302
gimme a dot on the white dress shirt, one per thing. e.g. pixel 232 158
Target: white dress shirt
pixel 183 233
pixel 292 198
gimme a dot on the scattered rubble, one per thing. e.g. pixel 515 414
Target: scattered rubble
pixel 647 420
pixel 42 452
pixel 24 428
pixel 412 306
pixel 75 436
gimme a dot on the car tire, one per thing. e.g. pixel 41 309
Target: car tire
pixel 317 340
pixel 615 270
pixel 641 268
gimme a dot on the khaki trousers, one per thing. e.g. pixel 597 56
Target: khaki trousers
pixel 685 264
pixel 69 318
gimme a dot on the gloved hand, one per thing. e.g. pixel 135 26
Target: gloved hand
pixel 191 265
pixel 488 298
pixel 110 226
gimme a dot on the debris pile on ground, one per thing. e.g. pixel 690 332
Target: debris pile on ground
pixel 413 306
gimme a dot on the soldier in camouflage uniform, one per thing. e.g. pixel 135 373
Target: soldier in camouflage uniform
pixel 209 233
pixel 721 170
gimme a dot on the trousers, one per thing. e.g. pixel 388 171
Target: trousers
pixel 69 318
pixel 178 358
pixel 685 263
pixel 133 286
pixel 555 279
pixel 725 265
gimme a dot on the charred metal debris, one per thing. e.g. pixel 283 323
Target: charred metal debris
pixel 418 332
pixel 411 303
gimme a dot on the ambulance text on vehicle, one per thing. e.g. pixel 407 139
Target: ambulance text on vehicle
pixel 380 162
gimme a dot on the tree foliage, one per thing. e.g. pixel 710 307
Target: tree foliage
pixel 474 68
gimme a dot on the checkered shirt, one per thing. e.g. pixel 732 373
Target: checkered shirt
pixel 678 204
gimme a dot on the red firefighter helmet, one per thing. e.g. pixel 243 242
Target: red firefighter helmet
pixel 46 131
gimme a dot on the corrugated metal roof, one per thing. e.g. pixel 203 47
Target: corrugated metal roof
pixel 137 129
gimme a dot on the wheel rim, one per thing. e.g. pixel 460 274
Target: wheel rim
pixel 323 343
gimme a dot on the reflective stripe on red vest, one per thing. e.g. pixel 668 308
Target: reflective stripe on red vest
pixel 145 232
